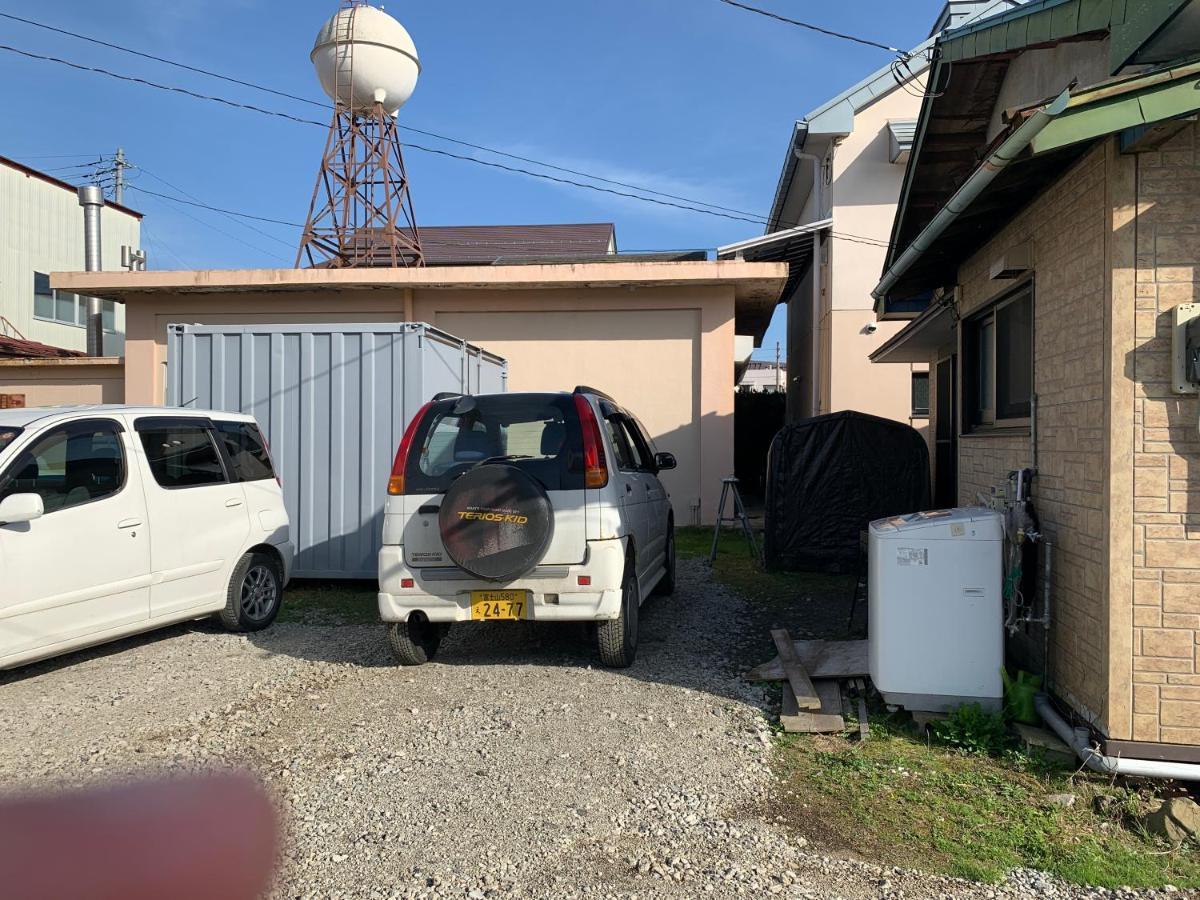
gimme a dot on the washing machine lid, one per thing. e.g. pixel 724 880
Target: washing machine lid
pixel 969 523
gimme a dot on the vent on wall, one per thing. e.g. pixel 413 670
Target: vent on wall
pixel 1015 262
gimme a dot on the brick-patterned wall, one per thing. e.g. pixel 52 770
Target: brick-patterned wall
pixel 1166 518
pixel 1066 226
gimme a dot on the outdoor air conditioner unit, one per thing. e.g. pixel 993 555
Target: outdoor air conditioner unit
pixel 1015 262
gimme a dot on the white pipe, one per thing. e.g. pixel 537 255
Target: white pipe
pixel 815 300
pixel 984 175
pixel 1079 740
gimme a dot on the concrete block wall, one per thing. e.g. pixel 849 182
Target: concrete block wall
pixel 1166 478
pixel 1066 230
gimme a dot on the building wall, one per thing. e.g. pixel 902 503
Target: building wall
pixel 41 230
pixel 1066 227
pixel 666 353
pixel 865 189
pixel 1165 548
pixel 64 382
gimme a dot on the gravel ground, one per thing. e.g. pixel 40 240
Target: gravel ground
pixel 510 768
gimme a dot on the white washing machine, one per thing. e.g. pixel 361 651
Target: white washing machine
pixel 936 628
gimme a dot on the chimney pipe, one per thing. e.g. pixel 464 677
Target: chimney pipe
pixel 91 198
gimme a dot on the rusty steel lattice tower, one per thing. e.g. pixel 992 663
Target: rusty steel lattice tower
pixel 361 212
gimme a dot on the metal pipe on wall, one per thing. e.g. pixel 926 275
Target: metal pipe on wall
pixel 91 198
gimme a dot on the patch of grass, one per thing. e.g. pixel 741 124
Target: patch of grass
pixel 330 603
pixel 897 800
pixel 737 567
pixel 809 604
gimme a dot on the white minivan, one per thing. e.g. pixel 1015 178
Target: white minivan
pixel 116 520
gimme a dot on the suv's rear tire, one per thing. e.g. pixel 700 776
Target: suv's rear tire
pixel 617 638
pixel 254 594
pixel 416 641
pixel 666 584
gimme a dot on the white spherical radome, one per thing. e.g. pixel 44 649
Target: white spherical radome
pixel 365 59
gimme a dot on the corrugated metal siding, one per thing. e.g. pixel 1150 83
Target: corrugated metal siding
pixel 333 401
pixel 41 230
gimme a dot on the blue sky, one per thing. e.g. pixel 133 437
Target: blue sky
pixel 689 97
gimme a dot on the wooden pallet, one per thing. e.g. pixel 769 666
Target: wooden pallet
pixel 818 677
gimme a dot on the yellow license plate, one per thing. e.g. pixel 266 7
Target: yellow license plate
pixel 487 605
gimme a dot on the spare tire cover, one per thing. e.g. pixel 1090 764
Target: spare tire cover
pixel 496 522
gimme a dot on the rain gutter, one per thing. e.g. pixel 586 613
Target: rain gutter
pixel 985 174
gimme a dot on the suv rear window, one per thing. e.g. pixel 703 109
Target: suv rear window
pixel 537 433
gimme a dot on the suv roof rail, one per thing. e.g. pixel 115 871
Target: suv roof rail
pixel 446 395
pixel 584 389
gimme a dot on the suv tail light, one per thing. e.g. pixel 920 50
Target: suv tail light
pixel 595 467
pixel 396 482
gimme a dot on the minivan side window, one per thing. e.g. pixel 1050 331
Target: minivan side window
pixel 182 456
pixel 247 450
pixel 74 464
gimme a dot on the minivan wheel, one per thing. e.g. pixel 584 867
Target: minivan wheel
pixel 666 584
pixel 618 638
pixel 416 641
pixel 254 595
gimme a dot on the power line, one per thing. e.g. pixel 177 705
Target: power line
pixel 748 217
pixel 817 28
pixel 227 212
pixel 424 149
pixel 326 106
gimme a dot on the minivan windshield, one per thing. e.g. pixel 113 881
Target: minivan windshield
pixel 537 433
pixel 7 436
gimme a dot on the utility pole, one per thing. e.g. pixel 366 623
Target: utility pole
pixel 119 189
pixel 777 365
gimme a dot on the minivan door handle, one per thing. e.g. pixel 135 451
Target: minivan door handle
pixel 232 502
pixel 129 523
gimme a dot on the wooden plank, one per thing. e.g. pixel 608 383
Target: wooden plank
pixel 797 677
pixel 827 720
pixel 864 726
pixel 821 659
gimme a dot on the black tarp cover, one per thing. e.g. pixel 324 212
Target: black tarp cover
pixel 828 477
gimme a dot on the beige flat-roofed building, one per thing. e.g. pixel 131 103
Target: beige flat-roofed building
pixel 658 336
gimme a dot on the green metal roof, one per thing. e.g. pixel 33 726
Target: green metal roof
pixel 1137 101
pixel 971 63
pixel 1131 23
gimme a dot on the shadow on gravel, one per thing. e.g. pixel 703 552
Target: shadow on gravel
pixel 114 648
pixel 699 638
pixel 361 645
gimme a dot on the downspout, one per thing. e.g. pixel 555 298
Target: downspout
pixel 815 302
pixel 1078 740
pixel 984 175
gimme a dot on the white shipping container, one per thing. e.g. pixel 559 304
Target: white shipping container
pixel 333 401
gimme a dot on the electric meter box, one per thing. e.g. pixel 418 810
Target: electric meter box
pixel 936 637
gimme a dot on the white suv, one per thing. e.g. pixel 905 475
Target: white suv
pixel 115 520
pixel 541 506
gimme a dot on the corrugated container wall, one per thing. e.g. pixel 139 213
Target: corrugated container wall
pixel 333 401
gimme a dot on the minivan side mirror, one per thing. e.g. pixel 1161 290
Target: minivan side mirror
pixel 664 461
pixel 21 508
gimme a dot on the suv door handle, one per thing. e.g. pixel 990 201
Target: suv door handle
pixel 628 488
pixel 232 502
pixel 129 523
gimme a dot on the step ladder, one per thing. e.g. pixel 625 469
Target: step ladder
pixel 729 487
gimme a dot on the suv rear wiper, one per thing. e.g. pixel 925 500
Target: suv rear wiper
pixel 505 458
